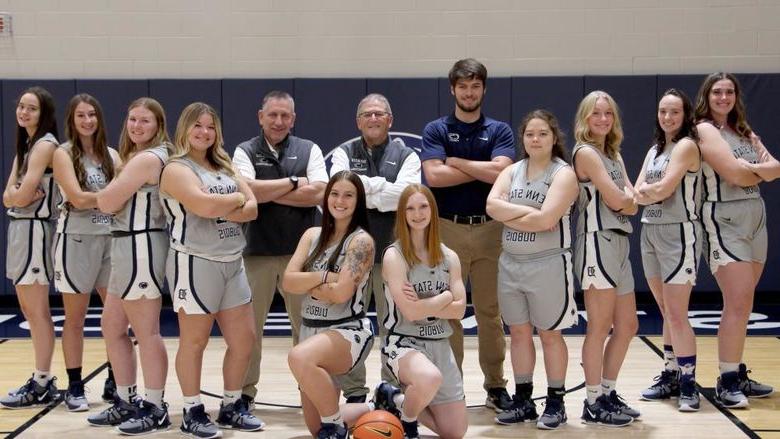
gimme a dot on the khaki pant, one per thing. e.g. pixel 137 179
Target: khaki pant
pixel 265 277
pixel 478 248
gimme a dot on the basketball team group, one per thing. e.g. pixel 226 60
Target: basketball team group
pixel 228 233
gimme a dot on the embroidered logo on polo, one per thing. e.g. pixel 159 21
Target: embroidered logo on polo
pixel 453 137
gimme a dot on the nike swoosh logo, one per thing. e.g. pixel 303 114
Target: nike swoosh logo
pixel 294 157
pixel 392 163
pixel 162 421
pixel 76 240
pixel 385 433
pixel 43 396
pixel 484 138
pixel 608 239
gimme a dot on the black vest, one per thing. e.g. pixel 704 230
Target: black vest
pixel 278 228
pixel 385 161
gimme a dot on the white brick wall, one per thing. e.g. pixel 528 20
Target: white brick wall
pixel 356 38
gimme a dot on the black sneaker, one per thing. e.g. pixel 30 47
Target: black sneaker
pixel 752 388
pixel 109 390
pixel 410 430
pixel 689 397
pixel 250 402
pixel 118 413
pixel 332 431
pixel 554 414
pixel 149 419
pixel 75 400
pixel 666 385
pixel 620 403
pixel 383 398
pixel 521 410
pixel 728 392
pixel 354 399
pixel 237 417
pixel 31 394
pixel 196 423
pixel 498 399
pixel 604 413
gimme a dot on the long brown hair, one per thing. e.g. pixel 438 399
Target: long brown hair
pixel 432 240
pixel 99 142
pixel 126 146
pixel 688 127
pixel 582 132
pixel 737 117
pixel 216 154
pixel 359 219
pixel 559 146
pixel 47 123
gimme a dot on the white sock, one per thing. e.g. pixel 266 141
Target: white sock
pixel 607 386
pixel 398 400
pixel 155 396
pixel 127 393
pixel 593 393
pixel 332 419
pixel 42 377
pixel 231 396
pixel 191 401
pixel 728 367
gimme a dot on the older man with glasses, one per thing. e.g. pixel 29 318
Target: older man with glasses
pixel 386 166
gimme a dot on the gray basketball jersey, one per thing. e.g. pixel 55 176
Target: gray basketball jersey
pixel 314 309
pixel 718 189
pixel 427 282
pixel 216 239
pixel 684 203
pixel 532 193
pixel 592 213
pixel 86 221
pixel 46 207
pixel 143 210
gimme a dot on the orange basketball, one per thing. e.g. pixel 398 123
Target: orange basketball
pixel 378 424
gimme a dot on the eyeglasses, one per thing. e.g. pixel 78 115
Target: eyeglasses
pixel 370 114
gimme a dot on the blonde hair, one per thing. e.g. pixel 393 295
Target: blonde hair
pixel 582 132
pixel 126 146
pixel 433 242
pixel 216 154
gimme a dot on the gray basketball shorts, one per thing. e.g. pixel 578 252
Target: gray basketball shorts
pixel 357 333
pixel 28 253
pixel 539 291
pixel 81 262
pixel 601 261
pixel 735 232
pixel 203 286
pixel 438 352
pixel 138 265
pixel 671 252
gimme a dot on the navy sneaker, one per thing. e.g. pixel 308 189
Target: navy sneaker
pixel 666 385
pixel 602 412
pixel 109 390
pixel 554 414
pixel 332 431
pixel 752 388
pixel 410 430
pixel 149 419
pixel 620 403
pixel 118 413
pixel 196 423
pixel 521 410
pixel 383 398
pixel 727 391
pixel 689 397
pixel 237 416
pixel 498 399
pixel 31 394
pixel 75 400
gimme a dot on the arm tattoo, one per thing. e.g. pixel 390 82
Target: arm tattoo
pixel 359 259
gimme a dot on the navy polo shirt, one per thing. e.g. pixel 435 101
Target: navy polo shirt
pixel 482 140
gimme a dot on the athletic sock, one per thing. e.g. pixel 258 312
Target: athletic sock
pixel 42 377
pixel 231 396
pixel 728 367
pixel 155 396
pixel 191 401
pixel 607 386
pixel 593 393
pixel 687 368
pixel 126 393
pixel 670 360
pixel 524 390
pixel 332 419
pixel 74 374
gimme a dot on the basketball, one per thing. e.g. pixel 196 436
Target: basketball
pixel 378 424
